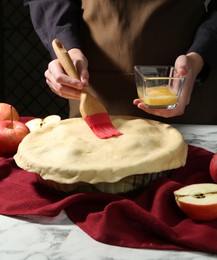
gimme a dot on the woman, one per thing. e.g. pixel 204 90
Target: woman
pixel 106 38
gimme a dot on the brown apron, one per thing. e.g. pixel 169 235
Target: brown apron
pixel 119 34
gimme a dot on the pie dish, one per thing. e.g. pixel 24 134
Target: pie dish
pixel 66 154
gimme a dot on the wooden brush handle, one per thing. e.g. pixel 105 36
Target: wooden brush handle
pixel 89 105
pixel 64 59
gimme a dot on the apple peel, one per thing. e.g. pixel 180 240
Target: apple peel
pixel 198 201
pixel 8 112
pixel 11 135
pixel 213 167
pixel 37 123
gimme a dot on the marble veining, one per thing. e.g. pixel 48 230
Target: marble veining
pixel 43 238
pixel 200 135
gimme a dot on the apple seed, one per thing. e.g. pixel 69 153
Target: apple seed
pixel 199 196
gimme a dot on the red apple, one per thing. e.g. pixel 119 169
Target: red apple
pixel 198 201
pixel 11 134
pixel 213 167
pixel 7 112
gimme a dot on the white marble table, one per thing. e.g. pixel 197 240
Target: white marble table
pixel 40 238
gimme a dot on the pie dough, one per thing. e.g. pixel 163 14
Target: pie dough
pixel 68 152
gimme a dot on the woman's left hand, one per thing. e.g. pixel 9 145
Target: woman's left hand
pixel 186 65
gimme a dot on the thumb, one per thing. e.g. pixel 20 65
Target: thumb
pixel 182 65
pixel 83 72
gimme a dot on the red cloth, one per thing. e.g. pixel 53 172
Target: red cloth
pixel 149 220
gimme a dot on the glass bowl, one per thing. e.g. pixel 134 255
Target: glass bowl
pixel 158 86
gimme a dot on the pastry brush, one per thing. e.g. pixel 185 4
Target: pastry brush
pixel 92 110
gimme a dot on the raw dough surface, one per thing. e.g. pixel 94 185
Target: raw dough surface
pixel 69 152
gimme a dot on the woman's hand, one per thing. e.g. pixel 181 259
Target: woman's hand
pixel 63 85
pixel 186 65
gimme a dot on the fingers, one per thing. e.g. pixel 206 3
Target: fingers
pixel 83 73
pixel 63 85
pixel 166 113
pixel 182 65
pixel 81 65
pixel 61 90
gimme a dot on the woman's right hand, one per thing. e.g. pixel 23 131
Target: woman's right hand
pixel 63 85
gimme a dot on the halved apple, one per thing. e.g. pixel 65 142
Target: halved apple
pixel 198 201
pixel 37 123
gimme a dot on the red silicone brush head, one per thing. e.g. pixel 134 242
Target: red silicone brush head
pixel 102 126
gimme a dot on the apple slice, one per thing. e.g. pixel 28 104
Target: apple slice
pixel 37 123
pixel 34 124
pixel 198 201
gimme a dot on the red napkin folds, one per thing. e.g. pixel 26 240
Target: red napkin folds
pixel 151 220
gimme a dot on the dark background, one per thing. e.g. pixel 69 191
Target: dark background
pixel 23 62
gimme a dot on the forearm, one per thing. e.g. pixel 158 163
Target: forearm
pixel 56 19
pixel 205 42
